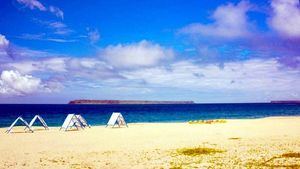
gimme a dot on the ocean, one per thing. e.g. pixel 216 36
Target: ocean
pixel 54 114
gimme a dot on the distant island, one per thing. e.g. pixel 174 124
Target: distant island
pixel 286 101
pixel 127 102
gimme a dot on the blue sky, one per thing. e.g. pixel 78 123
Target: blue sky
pixel 205 51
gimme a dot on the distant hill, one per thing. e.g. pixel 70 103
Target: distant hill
pixel 286 101
pixel 127 102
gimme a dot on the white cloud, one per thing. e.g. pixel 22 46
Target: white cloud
pixel 35 4
pixel 45 65
pixel 251 76
pixel 3 41
pixel 91 68
pixel 43 37
pixel 86 68
pixel 134 55
pixel 230 21
pixel 286 17
pixel 4 47
pixel 61 40
pixel 55 64
pixel 57 12
pixel 59 28
pixel 94 36
pixel 57 25
pixel 32 4
pixel 14 83
pixel 265 78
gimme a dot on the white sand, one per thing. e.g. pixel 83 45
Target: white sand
pixel 254 143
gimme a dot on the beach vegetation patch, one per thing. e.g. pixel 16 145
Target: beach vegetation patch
pixel 198 151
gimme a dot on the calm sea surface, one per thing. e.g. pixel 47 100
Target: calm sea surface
pixel 54 115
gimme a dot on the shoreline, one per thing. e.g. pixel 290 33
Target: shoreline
pixel 179 122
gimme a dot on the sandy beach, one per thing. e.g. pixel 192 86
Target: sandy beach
pixel 249 143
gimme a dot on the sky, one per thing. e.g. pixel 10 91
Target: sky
pixel 204 51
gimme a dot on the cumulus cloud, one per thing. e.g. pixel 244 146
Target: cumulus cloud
pixel 254 76
pixel 57 12
pixel 14 83
pixel 91 68
pixel 101 68
pixel 3 41
pixel 53 65
pixel 286 17
pixel 134 55
pixel 33 4
pixel 290 62
pixel 230 21
pixel 66 67
pixel 44 65
pixel 5 50
pixel 262 77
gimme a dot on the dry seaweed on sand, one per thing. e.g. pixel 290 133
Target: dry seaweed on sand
pixel 198 151
pixel 291 155
pixel 207 121
pixel 193 157
pixel 234 138
pixel 280 161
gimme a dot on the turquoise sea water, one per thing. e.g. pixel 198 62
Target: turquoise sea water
pixel 54 115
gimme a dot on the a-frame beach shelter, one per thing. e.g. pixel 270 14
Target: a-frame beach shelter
pixel 71 121
pixel 83 121
pixel 116 118
pixel 15 122
pixel 42 121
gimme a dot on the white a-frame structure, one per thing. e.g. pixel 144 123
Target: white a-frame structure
pixel 71 121
pixel 83 121
pixel 15 122
pixel 42 121
pixel 116 118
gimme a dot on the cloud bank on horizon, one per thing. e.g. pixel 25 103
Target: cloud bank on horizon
pixel 240 51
